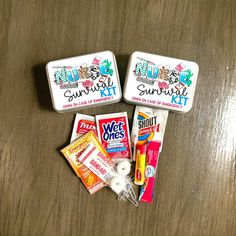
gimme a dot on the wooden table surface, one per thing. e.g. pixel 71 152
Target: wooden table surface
pixel 196 185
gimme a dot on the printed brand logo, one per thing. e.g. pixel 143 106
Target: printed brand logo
pixel 148 125
pixel 98 167
pixel 163 79
pixel 85 126
pixel 105 158
pixel 138 175
pixel 78 145
pixel 113 131
pixel 147 122
pixel 149 171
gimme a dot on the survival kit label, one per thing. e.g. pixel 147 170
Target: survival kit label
pixel 159 81
pixel 84 81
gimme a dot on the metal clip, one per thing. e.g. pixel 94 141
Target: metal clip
pixel 129 194
pixel 131 199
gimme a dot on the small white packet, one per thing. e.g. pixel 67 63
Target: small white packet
pixel 82 125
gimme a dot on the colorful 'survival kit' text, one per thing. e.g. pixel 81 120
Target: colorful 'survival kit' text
pixel 160 82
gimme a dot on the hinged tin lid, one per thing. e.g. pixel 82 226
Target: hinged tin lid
pixel 158 81
pixel 84 81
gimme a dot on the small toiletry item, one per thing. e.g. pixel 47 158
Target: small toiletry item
pixel 140 164
pixel 147 190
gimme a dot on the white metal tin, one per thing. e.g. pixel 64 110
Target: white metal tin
pixel 160 82
pixel 84 81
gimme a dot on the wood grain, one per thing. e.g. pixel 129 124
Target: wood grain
pixel 196 185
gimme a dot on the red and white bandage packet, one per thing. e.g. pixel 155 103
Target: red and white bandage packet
pixel 74 151
pixel 89 152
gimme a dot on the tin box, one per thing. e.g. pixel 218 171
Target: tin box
pixel 160 82
pixel 84 81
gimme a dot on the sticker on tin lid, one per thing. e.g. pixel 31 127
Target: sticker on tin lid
pixel 82 125
pixel 160 82
pixel 84 81
pixel 113 133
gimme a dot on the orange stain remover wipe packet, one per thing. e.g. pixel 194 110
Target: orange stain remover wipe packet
pixel 72 153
